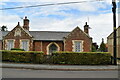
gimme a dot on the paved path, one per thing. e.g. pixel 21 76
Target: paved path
pixel 59 67
pixel 28 73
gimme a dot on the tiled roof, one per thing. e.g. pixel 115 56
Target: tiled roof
pixel 44 35
pixel 48 35
pixel 3 33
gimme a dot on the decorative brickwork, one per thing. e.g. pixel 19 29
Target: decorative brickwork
pixel 12 35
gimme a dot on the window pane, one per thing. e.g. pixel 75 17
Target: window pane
pixel 25 45
pixel 10 44
pixel 77 46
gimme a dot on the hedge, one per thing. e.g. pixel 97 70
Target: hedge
pixel 17 49
pixel 74 58
pixel 22 56
pixel 82 58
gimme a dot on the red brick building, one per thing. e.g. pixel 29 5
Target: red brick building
pixel 46 41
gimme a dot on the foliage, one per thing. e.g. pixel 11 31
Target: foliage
pixel 93 49
pixel 103 47
pixel 17 49
pixel 60 52
pixel 74 58
pixel 82 58
pixel 22 56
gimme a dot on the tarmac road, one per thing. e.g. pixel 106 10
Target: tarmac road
pixel 28 73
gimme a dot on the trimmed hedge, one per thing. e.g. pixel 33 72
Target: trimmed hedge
pixel 17 49
pixel 82 58
pixel 75 58
pixel 22 56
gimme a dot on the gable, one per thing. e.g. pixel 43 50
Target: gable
pixel 17 32
pixel 77 33
pixel 117 32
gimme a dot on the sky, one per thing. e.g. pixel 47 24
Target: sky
pixel 98 14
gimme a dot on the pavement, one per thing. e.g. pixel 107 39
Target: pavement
pixel 60 67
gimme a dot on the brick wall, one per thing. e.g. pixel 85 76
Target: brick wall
pixel 37 45
pixel 42 45
pixel 66 45
pixel 17 39
pixel 78 34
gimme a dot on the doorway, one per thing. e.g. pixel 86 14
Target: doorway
pixel 52 48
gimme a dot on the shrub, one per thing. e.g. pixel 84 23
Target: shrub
pixel 82 58
pixel 17 49
pixel 22 56
pixel 75 58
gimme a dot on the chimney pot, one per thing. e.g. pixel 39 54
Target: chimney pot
pixel 25 17
pixel 86 28
pixel 26 23
pixel 18 23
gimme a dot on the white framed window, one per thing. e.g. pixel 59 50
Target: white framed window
pixel 25 45
pixel 77 46
pixel 10 44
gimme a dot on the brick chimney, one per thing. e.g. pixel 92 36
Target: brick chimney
pixel 26 23
pixel 86 28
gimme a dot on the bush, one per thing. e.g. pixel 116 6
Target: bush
pixel 82 58
pixel 22 56
pixel 17 49
pixel 74 58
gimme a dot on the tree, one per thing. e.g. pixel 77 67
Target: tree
pixel 3 28
pixel 94 47
pixel 103 47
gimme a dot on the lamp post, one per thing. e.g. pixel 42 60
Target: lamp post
pixel 114 33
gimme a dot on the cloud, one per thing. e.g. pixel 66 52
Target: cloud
pixel 101 25
pixel 40 0
pixel 84 6
pixel 9 20
pixel 1 3
pixel 40 19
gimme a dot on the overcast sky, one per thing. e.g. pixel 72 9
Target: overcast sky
pixel 98 14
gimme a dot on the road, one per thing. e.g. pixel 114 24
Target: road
pixel 27 73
